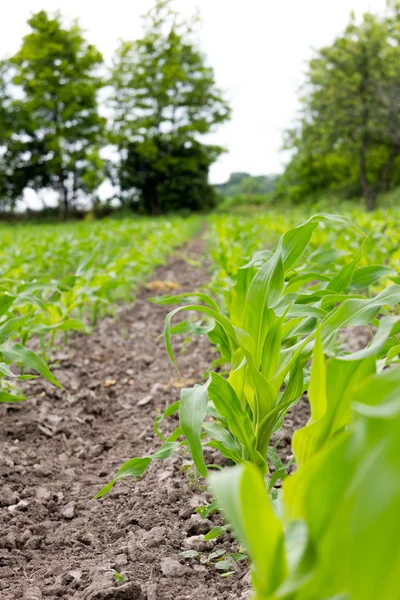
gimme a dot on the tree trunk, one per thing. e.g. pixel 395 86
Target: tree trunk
pixel 64 203
pixel 368 193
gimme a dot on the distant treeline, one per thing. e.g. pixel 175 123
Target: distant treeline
pixel 244 184
pixel 159 97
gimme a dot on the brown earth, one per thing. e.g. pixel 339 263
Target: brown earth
pixel 61 446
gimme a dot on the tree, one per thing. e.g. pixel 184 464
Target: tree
pixel 350 123
pixel 244 184
pixel 164 97
pixel 56 128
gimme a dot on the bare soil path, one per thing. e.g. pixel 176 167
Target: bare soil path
pixel 61 446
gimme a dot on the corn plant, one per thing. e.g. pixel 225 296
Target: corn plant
pixel 268 338
pixel 63 278
pixel 333 532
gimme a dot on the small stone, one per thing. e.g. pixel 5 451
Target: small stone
pixel 33 593
pixel 42 493
pixel 109 382
pixel 156 387
pixel 71 576
pixel 196 542
pixel 196 525
pixel 155 536
pixel 22 505
pixel 68 511
pixel 152 591
pixel 7 496
pixel 120 561
pixel 96 450
pixel 42 470
pixel 172 568
pixel 34 542
pixel 148 359
pixel 145 400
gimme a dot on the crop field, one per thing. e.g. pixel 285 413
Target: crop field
pixel 201 408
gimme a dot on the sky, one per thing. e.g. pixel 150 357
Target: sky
pixel 258 49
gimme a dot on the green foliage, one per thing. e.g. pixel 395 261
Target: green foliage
pixel 348 137
pixel 283 305
pixel 338 536
pixel 53 130
pixel 244 184
pixel 58 279
pixel 164 96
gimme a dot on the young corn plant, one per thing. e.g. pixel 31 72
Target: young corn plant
pixel 268 339
pixel 333 532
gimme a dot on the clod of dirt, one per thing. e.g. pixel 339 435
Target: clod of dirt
pixel 197 525
pixel 172 568
pixel 129 591
pixel 7 496
pixel 68 511
pixel 196 542
pixel 33 594
pixel 152 591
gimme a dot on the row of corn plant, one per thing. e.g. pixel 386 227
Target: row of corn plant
pixel 233 238
pixel 56 279
pixel 281 303
pixel 332 533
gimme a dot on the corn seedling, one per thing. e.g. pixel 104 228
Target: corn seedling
pixel 334 530
pixel 280 305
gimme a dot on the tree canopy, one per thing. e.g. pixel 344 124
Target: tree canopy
pixel 164 98
pixel 348 135
pixel 53 130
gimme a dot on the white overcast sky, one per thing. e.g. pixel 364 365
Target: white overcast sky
pixel 258 49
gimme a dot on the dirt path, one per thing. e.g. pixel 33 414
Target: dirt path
pixel 62 446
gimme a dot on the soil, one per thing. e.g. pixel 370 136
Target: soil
pixel 62 445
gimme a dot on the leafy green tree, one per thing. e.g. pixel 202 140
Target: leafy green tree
pixel 350 122
pixel 164 97
pixel 56 127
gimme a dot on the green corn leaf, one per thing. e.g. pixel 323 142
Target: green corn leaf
pixel 221 434
pixel 5 370
pixel 271 350
pixel 12 326
pixel 19 354
pixel 225 451
pixel 135 467
pixel 7 397
pixel 215 532
pixel 242 494
pixel 238 295
pixel 264 291
pixel 192 413
pixel 317 387
pixel 342 379
pixel 6 300
pixel 388 326
pixel 219 318
pixel 169 411
pixel 366 276
pixel 228 406
pixel 168 300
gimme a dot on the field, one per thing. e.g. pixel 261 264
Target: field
pixel 241 369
